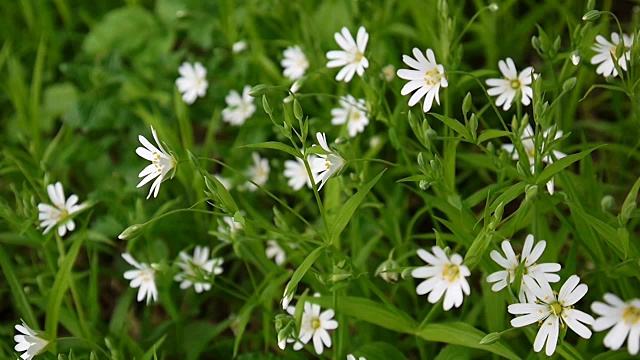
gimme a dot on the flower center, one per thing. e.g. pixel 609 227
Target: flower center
pixel 358 56
pixel 631 315
pixel 432 77
pixel 327 163
pixel 146 275
pixel 515 84
pixel 315 323
pixel 556 308
pixel 303 63
pixel 613 50
pixel 63 214
pixel 451 272
pixel 354 115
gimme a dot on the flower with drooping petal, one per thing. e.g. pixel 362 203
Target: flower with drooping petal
pixel 296 172
pixel 606 52
pixel 531 151
pixel 198 267
pixel 314 325
pixel 239 108
pixel 553 310
pixel 276 252
pixel 238 46
pixel 528 258
pixel 227 228
pixel 385 274
pixel 293 90
pixel 445 276
pixel 511 84
pixel 192 82
pixel 143 278
pixel 60 212
pixel 161 163
pixel 258 172
pixel 623 318
pixel 351 57
pixel 353 112
pixel 29 342
pixel 295 63
pixel 325 166
pixel 426 77
pixel 291 337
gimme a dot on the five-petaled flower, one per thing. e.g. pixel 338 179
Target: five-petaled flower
pixel 445 276
pixel 624 317
pixel 511 84
pixel 425 78
pixel 324 166
pixel 192 82
pixel 607 51
pixel 28 341
pixel 295 63
pixel 351 57
pixel 60 212
pixel 553 310
pixel 353 112
pixel 161 163
pixel 314 325
pixel 143 277
pixel 528 258
pixel 239 108
pixel 197 270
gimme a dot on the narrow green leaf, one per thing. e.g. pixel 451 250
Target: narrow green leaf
pixel 151 353
pixel 561 164
pixel 630 202
pixel 302 270
pixel 243 320
pixel 222 192
pixel 477 249
pixel 508 195
pixel 415 178
pixel 17 290
pixel 608 232
pixel 276 146
pixel 59 288
pixel 492 134
pixel 342 218
pixel 453 124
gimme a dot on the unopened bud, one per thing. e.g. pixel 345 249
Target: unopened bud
pixel 258 90
pixel 591 15
pixel 493 7
pixel 607 203
pixel 131 232
pixel 575 57
pixel 490 338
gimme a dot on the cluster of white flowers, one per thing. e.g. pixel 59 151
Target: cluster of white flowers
pixel 197 269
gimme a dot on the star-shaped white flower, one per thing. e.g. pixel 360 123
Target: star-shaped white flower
pixel 192 82
pixel 314 325
pixel 198 267
pixel 426 77
pixel 351 57
pixel 296 172
pixel 508 87
pixel 606 52
pixel 276 252
pixel 624 317
pixel 553 310
pixel 239 108
pixel 258 172
pixel 325 166
pixel 353 112
pixel 29 342
pixel 143 278
pixel 530 255
pixel 295 63
pixel 530 148
pixel 161 163
pixel 60 212
pixel 445 276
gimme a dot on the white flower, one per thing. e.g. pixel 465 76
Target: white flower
pixel 388 73
pixel 426 76
pixel 258 173
pixel 606 52
pixel 276 252
pixel 143 277
pixel 325 165
pixel 530 148
pixel 227 228
pixel 351 357
pixel 551 311
pixel 530 254
pixel 29 342
pixel 508 87
pixel 624 317
pixel 297 345
pixel 294 89
pixel 238 46
pixel 238 109
pixel 445 276
pixel 314 326
pixel 297 173
pixel 351 57
pixel 60 213
pixel 193 81
pixel 353 112
pixel 575 58
pixel 295 63
pixel 161 163
pixel 198 267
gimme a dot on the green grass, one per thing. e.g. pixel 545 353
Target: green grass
pixel 80 81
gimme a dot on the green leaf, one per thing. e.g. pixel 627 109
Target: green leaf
pixel 608 232
pixel 508 195
pixel 463 334
pixel 342 218
pixel 492 134
pixel 221 191
pixel 59 288
pixel 17 290
pixel 302 270
pixel 379 351
pixel 561 164
pixel 454 124
pixel 277 146
pixel 416 178
pixel 243 320
pixel 477 249
pixel 151 353
pixel 629 203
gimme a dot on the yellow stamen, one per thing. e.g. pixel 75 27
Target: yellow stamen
pixel 631 315
pixel 451 272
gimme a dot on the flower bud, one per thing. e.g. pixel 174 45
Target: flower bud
pixel 490 338
pixel 131 232
pixel 384 267
pixel 591 15
pixel 493 7
pixel 575 57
